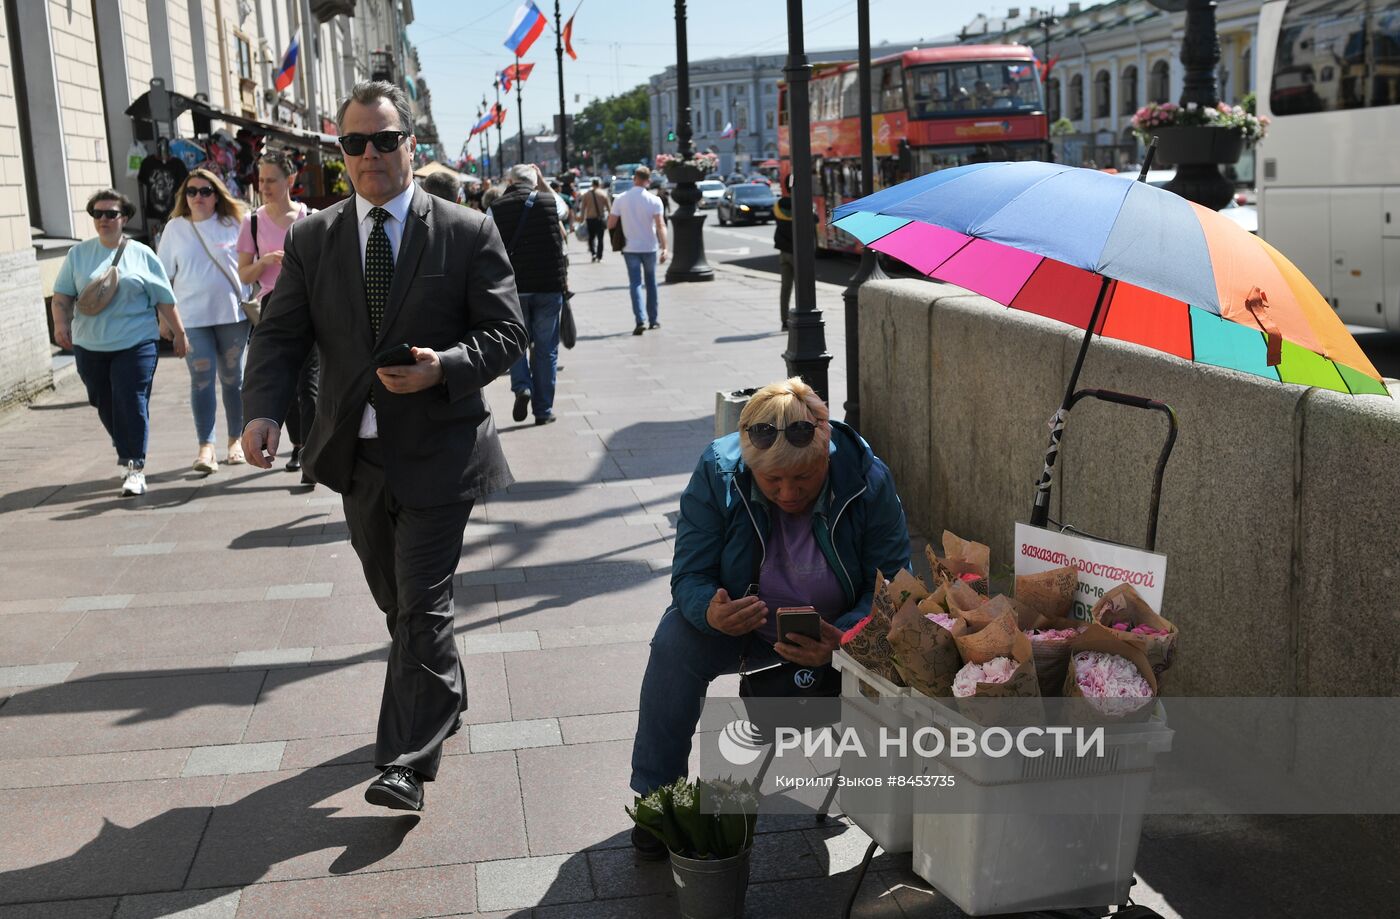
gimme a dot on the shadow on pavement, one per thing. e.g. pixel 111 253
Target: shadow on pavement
pixel 256 832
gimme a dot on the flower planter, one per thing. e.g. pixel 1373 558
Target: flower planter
pixel 683 172
pixel 711 888
pixel 1198 145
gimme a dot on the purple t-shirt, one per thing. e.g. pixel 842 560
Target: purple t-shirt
pixel 796 573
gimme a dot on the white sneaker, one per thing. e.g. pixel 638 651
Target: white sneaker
pixel 135 481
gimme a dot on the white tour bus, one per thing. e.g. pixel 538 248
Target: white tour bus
pixel 1329 172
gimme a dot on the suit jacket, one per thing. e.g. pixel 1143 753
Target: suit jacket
pixel 453 291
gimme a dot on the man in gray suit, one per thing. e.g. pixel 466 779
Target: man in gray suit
pixel 406 438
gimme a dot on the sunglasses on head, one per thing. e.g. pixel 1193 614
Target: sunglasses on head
pixel 105 214
pixel 201 192
pixel 384 141
pixel 764 435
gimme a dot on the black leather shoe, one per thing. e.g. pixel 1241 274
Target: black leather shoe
pixel 294 461
pixel 654 325
pixel 639 330
pixel 399 788
pixel 545 419
pixel 522 406
pixel 647 847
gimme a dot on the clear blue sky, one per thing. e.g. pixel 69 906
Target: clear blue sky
pixel 620 43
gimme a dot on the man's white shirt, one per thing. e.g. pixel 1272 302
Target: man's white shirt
pixel 393 228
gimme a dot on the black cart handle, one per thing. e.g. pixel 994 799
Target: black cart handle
pixel 1108 395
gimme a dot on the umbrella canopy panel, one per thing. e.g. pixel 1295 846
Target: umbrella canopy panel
pixel 1039 237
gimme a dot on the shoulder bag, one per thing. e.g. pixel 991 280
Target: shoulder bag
pixel 251 308
pixel 98 293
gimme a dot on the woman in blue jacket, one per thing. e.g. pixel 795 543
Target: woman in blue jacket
pixel 799 507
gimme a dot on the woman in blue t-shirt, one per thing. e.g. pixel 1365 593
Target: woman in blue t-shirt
pixel 115 348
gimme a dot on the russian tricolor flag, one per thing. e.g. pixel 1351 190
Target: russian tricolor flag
pixel 288 71
pixel 485 123
pixel 528 25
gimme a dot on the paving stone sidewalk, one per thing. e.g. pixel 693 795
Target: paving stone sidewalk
pixel 189 680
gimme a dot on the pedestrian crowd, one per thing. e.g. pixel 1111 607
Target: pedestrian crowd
pixel 371 329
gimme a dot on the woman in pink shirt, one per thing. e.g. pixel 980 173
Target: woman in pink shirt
pixel 260 260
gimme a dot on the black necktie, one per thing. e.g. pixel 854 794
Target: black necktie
pixel 379 269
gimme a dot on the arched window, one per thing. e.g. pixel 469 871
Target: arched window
pixel 1076 97
pixel 1159 86
pixel 1103 93
pixel 1052 99
pixel 1128 90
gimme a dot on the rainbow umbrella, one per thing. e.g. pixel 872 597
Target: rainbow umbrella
pixel 1125 259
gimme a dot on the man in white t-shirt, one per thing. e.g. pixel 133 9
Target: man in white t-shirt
pixel 641 215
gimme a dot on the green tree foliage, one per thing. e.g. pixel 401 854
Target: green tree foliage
pixel 613 130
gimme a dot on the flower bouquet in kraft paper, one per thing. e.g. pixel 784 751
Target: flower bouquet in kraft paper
pixel 1048 593
pixel 962 560
pixel 868 642
pixel 997 665
pixel 924 646
pixel 1109 670
pixel 1050 641
pixel 1124 610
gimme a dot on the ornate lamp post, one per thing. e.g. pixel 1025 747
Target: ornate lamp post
pixel 688 246
pixel 806 355
pixel 1198 151
pixel 869 269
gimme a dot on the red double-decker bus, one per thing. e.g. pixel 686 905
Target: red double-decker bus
pixel 932 108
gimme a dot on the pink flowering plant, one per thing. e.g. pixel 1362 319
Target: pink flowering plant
pixel 941 619
pixel 1111 683
pixel 705 162
pixel 996 670
pixel 1153 116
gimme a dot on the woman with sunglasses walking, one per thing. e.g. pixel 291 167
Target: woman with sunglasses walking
pixel 792 510
pixel 197 249
pixel 112 331
pixel 260 244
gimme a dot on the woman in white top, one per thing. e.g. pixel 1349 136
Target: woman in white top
pixel 198 249
pixel 260 260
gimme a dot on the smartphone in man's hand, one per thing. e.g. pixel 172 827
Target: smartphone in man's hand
pixel 400 355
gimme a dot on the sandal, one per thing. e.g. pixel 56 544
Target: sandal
pixel 235 452
pixel 205 462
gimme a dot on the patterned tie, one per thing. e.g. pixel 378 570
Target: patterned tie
pixel 379 269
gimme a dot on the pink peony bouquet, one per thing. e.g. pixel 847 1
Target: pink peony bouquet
pixel 1052 634
pixel 1111 683
pixel 996 670
pixel 942 619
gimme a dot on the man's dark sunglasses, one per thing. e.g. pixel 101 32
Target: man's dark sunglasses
pixel 203 191
pixel 384 142
pixel 764 435
pixel 108 213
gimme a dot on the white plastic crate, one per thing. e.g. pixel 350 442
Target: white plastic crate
pixel 1003 857
pixel 868 702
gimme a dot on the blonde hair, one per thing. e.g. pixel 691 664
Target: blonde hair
pixel 780 404
pixel 225 205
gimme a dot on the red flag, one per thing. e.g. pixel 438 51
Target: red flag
pixel 569 36
pixel 500 114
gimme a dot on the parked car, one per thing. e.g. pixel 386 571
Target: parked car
pixel 734 178
pixel 746 204
pixel 619 185
pixel 711 190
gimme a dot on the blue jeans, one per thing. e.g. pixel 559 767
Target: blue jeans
pixel 536 370
pixel 683 663
pixel 637 263
pixel 119 387
pixel 217 349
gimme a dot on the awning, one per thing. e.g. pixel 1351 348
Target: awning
pixel 430 168
pixel 179 104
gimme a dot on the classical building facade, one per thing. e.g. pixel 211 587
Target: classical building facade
pixel 69 73
pixel 1112 58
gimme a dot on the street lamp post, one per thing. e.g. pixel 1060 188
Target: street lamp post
pixel 687 227
pixel 869 269
pixel 806 355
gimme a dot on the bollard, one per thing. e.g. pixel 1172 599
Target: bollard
pixel 728 405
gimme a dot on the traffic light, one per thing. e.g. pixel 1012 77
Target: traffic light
pixel 671 135
pixel 472 168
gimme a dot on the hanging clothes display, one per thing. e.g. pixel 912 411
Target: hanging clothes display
pixel 160 178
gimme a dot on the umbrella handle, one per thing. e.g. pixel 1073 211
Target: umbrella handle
pixel 1040 513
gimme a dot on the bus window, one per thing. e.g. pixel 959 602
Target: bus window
pixel 850 94
pixel 1385 57
pixel 1320 61
pixel 890 86
pixel 991 86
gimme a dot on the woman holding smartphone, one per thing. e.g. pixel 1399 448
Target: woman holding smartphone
pixel 260 261
pixel 793 510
